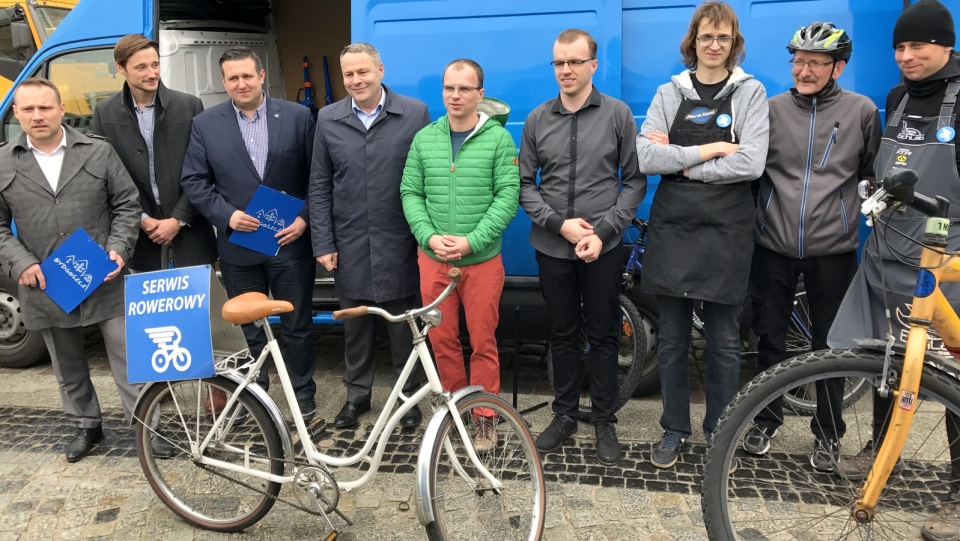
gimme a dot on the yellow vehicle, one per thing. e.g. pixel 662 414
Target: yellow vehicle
pixel 24 26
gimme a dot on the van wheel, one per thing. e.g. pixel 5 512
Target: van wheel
pixel 19 347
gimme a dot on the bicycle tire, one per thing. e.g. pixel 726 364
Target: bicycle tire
pixel 632 344
pixel 462 509
pixel 204 496
pixel 781 496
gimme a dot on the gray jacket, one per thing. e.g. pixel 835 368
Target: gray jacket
pixel 94 192
pixel 173 118
pixel 354 198
pixel 750 126
pixel 820 148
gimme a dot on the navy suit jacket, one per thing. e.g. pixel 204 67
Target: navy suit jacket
pixel 219 177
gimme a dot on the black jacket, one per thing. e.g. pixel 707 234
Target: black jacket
pixel 115 119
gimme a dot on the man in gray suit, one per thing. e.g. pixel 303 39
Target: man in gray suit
pixel 53 181
pixel 356 219
pixel 149 127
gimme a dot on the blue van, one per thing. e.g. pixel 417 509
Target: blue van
pixel 638 50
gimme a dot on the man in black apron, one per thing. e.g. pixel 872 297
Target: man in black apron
pixel 920 134
pixel 807 216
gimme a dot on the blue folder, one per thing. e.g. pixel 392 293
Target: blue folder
pixel 75 269
pixel 275 210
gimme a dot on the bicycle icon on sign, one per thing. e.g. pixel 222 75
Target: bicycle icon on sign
pixel 168 351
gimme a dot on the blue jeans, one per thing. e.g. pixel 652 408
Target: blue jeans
pixel 288 280
pixel 721 323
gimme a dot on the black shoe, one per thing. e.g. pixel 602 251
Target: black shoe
pixel 608 448
pixel 411 418
pixel 83 443
pixel 350 413
pixel 308 408
pixel 161 447
pixel 560 428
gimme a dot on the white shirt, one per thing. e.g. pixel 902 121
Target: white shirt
pixel 368 118
pixel 51 163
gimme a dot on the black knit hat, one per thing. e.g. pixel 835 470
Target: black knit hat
pixel 927 21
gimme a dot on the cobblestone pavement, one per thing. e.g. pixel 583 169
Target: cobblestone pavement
pixel 105 496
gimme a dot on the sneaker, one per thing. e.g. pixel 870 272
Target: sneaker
pixel 757 439
pixel 855 468
pixel 826 455
pixel 560 428
pixel 608 448
pixel 667 450
pixel 485 439
pixel 308 408
pixel 945 525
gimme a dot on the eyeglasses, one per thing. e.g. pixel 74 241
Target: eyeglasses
pixel 812 64
pixel 707 40
pixel 573 63
pixel 447 89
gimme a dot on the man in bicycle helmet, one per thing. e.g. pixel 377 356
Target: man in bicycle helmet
pixel 807 218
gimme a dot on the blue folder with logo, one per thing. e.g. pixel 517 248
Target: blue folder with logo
pixel 75 269
pixel 275 210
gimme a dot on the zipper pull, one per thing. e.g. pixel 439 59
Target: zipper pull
pixel 836 130
pixel 453 168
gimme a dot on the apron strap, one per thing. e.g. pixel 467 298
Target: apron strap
pixel 949 101
pixel 894 119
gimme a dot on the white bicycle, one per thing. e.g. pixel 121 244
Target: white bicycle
pixel 232 449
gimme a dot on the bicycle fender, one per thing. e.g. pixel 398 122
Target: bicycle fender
pixel 424 512
pixel 273 410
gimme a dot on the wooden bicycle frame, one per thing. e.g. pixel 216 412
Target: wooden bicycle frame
pixel 930 307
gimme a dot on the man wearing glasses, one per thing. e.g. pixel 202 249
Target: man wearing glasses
pixel 582 144
pixel 459 192
pixel 808 217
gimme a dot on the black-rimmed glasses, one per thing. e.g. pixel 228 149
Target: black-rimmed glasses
pixel 573 63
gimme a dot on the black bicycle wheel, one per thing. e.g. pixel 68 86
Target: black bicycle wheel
pixel 632 344
pixel 182 413
pixel 782 496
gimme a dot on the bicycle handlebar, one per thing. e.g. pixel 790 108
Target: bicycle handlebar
pixel 898 184
pixel 454 275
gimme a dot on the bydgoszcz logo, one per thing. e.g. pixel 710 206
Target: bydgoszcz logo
pixel 168 351
pixel 946 134
pixel 723 120
pixel 76 270
pixel 271 220
pixel 700 115
pixel 909 134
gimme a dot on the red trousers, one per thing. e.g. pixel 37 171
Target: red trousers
pixel 479 293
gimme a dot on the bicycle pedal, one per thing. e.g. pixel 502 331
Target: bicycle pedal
pixel 317 428
pixel 333 535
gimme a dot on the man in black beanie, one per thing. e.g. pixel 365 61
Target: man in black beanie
pixel 920 134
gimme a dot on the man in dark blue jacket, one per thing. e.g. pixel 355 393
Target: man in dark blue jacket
pixel 234 148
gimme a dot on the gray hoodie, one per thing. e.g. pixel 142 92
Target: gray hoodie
pixel 750 127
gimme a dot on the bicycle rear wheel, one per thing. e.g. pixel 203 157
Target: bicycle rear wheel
pixel 182 413
pixel 463 504
pixel 781 495
pixel 631 340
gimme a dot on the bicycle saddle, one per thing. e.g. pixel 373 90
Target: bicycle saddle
pixel 249 307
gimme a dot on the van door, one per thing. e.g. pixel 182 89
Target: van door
pixel 78 58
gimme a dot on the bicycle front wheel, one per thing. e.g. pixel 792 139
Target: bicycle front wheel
pixel 173 418
pixel 464 504
pixel 792 493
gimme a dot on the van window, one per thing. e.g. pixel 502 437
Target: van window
pixel 48 19
pixel 84 78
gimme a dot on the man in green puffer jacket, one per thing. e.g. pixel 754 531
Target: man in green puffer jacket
pixel 460 190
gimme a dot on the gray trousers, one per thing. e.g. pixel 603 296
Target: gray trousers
pixel 73 372
pixel 359 335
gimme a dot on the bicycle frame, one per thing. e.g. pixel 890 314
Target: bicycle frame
pixel 385 423
pixel 930 307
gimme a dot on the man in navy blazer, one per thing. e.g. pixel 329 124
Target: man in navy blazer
pixel 234 148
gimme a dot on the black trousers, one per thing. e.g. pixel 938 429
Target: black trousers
pixel 825 279
pixel 583 295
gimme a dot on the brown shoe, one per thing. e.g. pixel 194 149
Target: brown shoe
pixel 216 400
pixel 486 435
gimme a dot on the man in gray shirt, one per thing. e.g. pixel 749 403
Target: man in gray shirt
pixel 578 142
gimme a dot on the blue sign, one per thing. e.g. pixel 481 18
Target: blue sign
pixel 700 115
pixel 946 134
pixel 275 210
pixel 926 283
pixel 168 325
pixel 723 120
pixel 75 269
